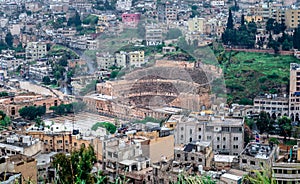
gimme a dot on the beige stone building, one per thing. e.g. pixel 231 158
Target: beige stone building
pixel 11 105
pixel 294 96
pixel 136 58
pixel 27 166
pixel 36 50
pixel 196 25
pixel 292 18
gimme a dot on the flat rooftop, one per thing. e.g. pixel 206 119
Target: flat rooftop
pixel 258 150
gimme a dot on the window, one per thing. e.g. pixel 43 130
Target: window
pixel 191 131
pixel 191 139
pixel 181 128
pixel 224 138
pixel 199 137
pixel 252 162
pixel 218 146
pixel 208 137
pixel 224 146
pixel 235 146
pixel 200 159
pixel 235 138
pixel 192 158
pixel 75 143
pixel 59 141
pixel 199 129
pixel 178 155
pixel 218 138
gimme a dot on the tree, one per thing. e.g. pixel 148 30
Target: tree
pixel 243 20
pixel 32 112
pixel 46 80
pixel 75 20
pixel 230 21
pixel 111 128
pixel 75 167
pixel 285 126
pixel 286 45
pixel 263 122
pixel 270 24
pixel 9 39
pixel 296 38
pixel 4 119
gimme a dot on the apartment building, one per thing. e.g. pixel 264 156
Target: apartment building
pixel 20 144
pixel 276 106
pixel 123 5
pixel 136 58
pixel 153 35
pixel 294 96
pixel 257 156
pixel 225 134
pixel 36 50
pixel 24 165
pixel 171 12
pixel 196 25
pixel 131 19
pixel 121 59
pixel 105 60
pixel 292 18
pixel 196 152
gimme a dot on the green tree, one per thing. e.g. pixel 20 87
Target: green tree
pixel 286 45
pixel 243 20
pixel 285 126
pixel 111 128
pixel 4 119
pixel 46 80
pixel 74 21
pixel 230 21
pixel 77 167
pixel 263 122
pixel 296 38
pixel 9 39
pixel 32 112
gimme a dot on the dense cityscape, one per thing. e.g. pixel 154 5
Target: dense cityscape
pixel 149 91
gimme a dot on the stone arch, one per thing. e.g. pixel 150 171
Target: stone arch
pixel 292 117
pixel 297 117
pixel 274 116
pixel 279 115
pixel 13 111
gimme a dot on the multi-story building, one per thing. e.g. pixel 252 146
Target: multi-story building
pixel 196 152
pixel 294 96
pixel 196 25
pixel 36 50
pixel 105 61
pixel 225 134
pixel 20 144
pixel 272 104
pixel 257 156
pixel 121 59
pixel 171 12
pixel 292 18
pixel 123 5
pixel 153 35
pixel 26 166
pixel 131 19
pixel 136 58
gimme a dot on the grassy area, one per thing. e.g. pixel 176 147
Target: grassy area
pixel 250 74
